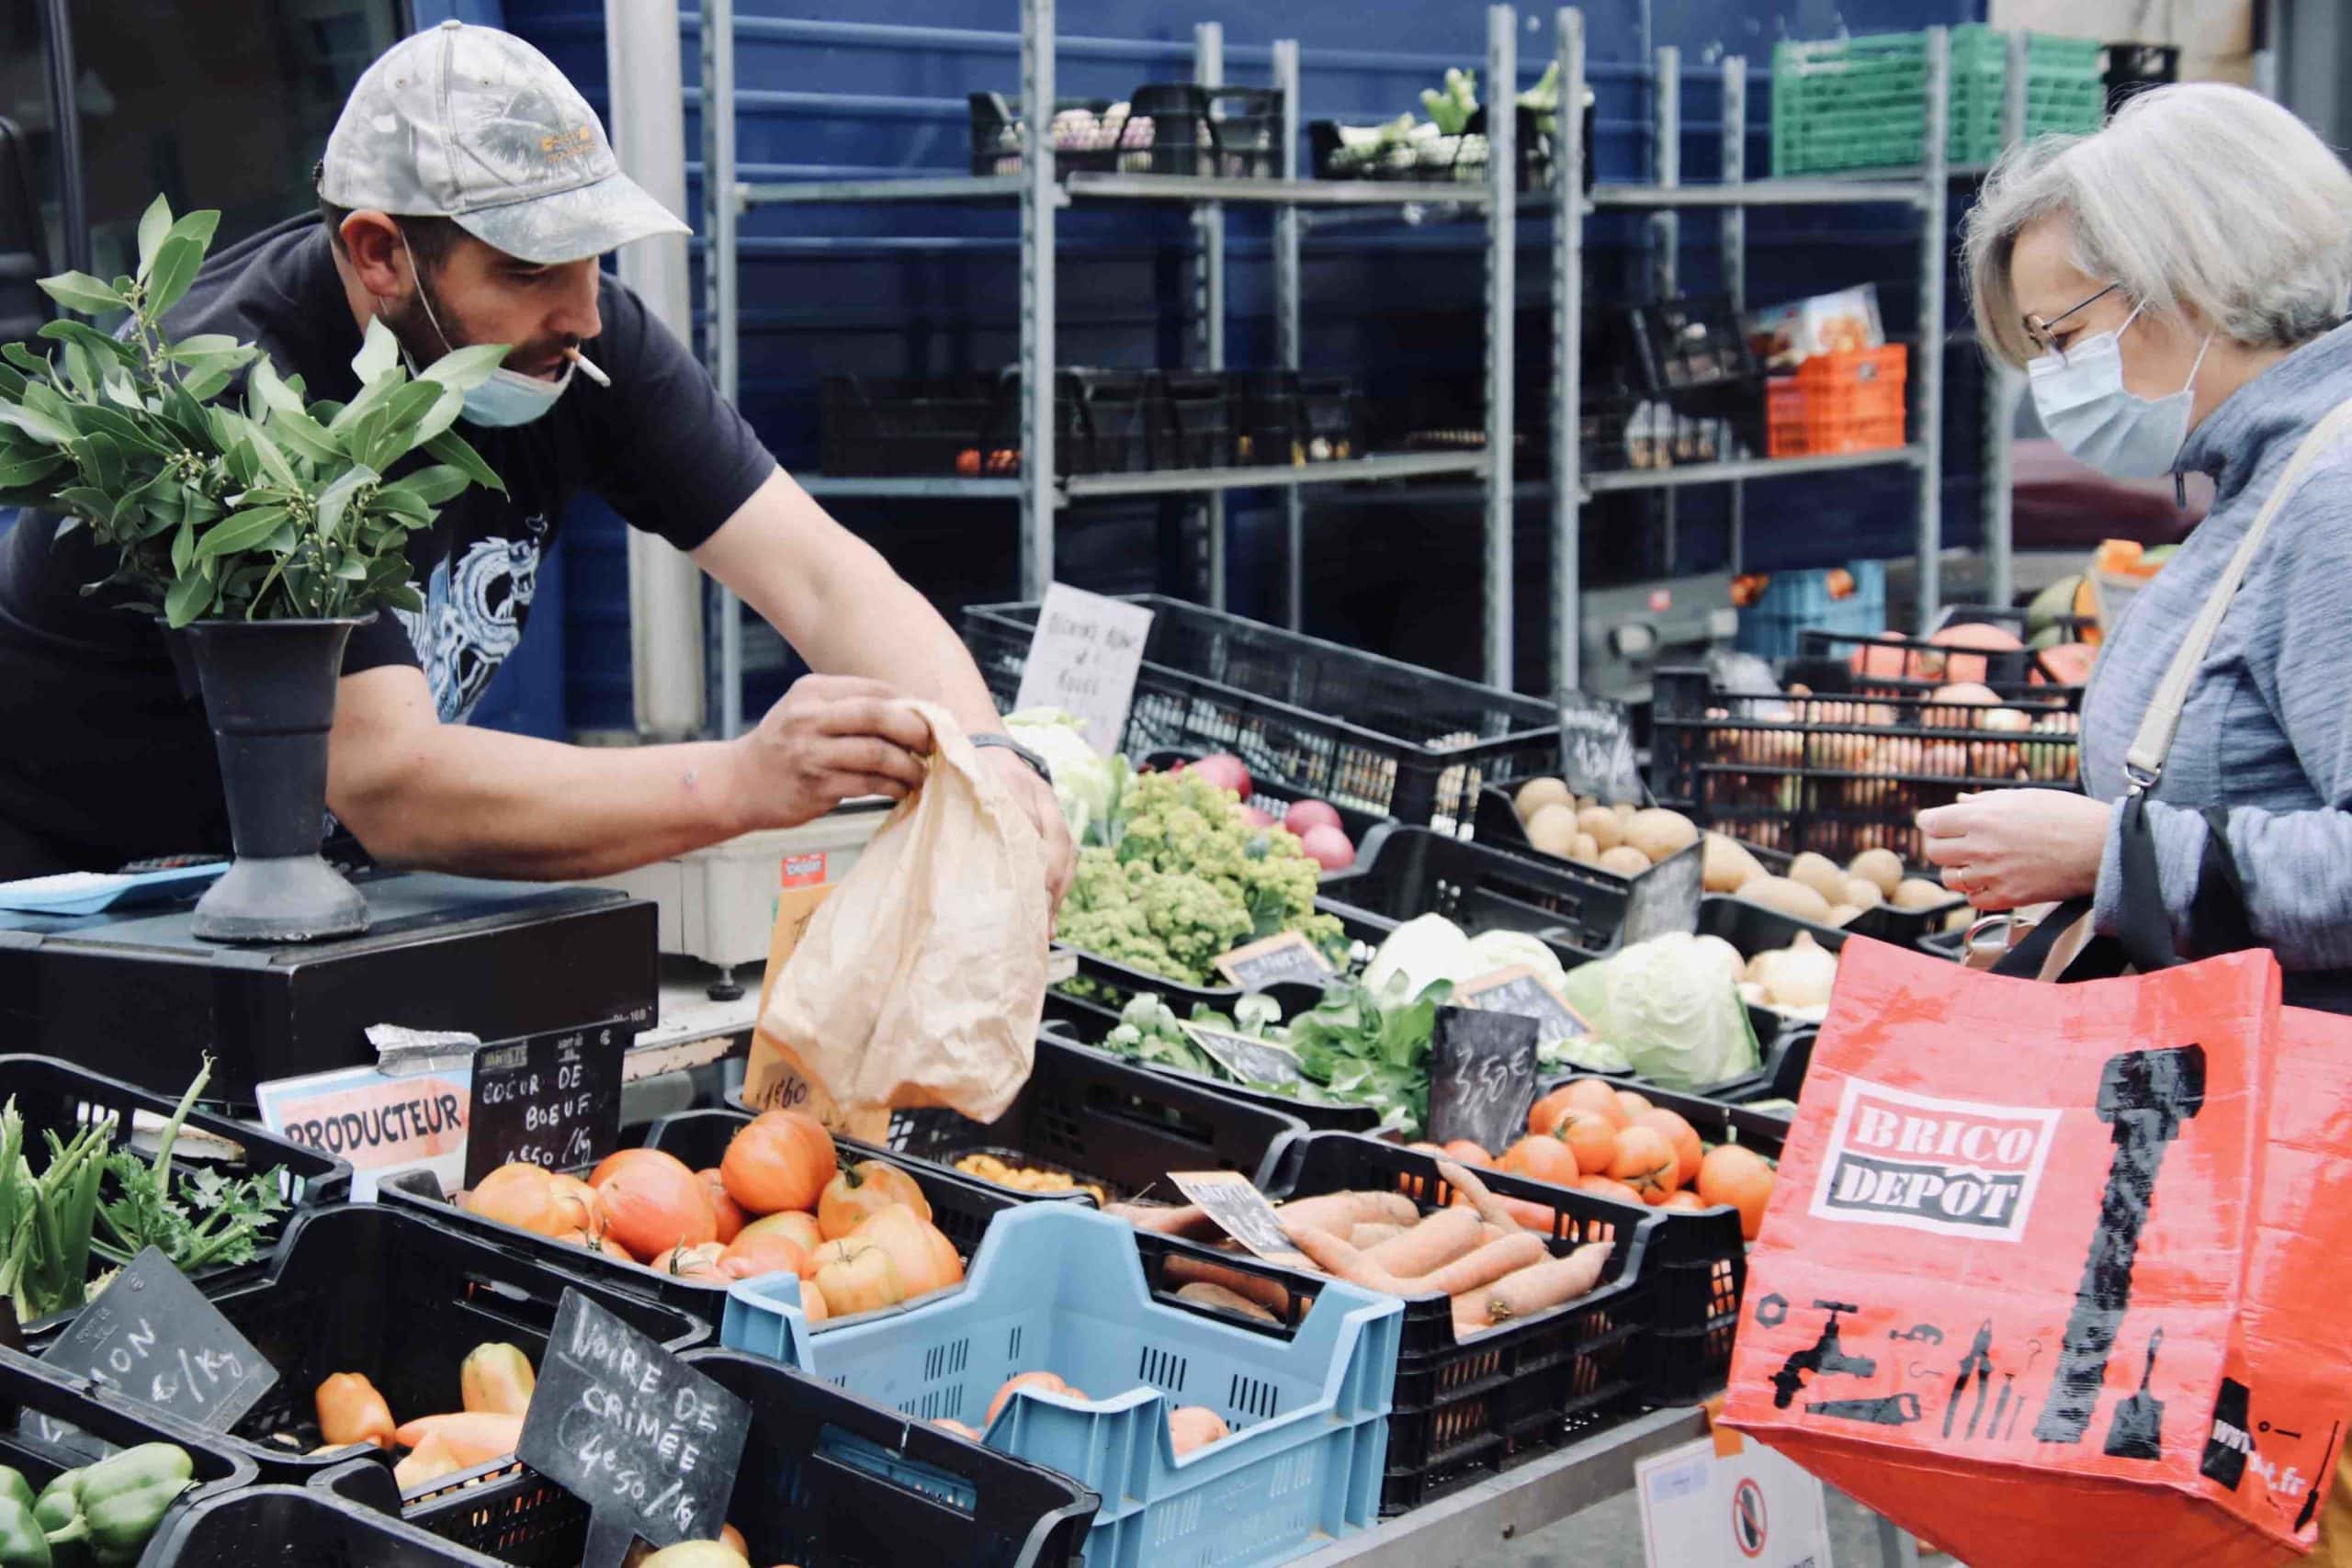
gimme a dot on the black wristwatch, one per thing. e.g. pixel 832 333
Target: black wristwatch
pixel 1008 743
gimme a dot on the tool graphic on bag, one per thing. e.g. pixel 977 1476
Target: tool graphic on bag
pixel 1823 1358
pixel 1925 1333
pixel 2319 1477
pixel 2000 1408
pixel 1978 1361
pixel 2145 1095
pixel 1893 1410
pixel 2137 1428
pixel 2033 1354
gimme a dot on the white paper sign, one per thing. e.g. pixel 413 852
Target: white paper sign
pixel 1753 1509
pixel 382 1125
pixel 1084 659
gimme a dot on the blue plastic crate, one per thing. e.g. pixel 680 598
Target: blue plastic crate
pixel 1059 1289
pixel 1795 600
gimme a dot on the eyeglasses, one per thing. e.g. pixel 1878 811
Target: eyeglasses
pixel 2039 330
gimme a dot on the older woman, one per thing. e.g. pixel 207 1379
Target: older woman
pixel 2174 287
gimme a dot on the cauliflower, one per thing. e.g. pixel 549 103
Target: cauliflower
pixel 1185 878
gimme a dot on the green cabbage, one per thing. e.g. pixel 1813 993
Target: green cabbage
pixel 1671 1008
pixel 1491 951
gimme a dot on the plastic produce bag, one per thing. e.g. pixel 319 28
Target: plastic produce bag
pixel 920 981
pixel 2054 1273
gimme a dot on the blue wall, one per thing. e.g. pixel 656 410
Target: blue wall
pixel 889 292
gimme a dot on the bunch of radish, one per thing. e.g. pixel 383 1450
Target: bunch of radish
pixel 1321 835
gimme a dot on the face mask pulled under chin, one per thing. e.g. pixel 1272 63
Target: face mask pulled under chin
pixel 2085 406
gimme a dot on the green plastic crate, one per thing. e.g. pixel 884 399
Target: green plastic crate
pixel 1861 102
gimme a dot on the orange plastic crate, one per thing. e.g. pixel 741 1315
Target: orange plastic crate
pixel 1838 403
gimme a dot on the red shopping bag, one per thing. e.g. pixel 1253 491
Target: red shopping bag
pixel 2055 1273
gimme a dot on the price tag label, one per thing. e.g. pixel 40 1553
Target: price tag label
pixel 1520 990
pixel 1482 1077
pixel 1665 897
pixel 382 1124
pixel 1596 749
pixel 1083 660
pixel 152 1336
pixel 1252 1061
pixel 551 1099
pixel 649 1443
pixel 1286 956
pixel 1241 1211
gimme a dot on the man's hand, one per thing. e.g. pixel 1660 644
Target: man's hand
pixel 831 738
pixel 2005 848
pixel 1036 797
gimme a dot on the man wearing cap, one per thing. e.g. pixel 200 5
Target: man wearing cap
pixel 467 193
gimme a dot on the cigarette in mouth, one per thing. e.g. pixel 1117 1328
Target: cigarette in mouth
pixel 588 366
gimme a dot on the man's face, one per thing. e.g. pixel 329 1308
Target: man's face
pixel 479 295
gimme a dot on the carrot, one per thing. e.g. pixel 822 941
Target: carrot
pixel 474 1436
pixel 430 1462
pixel 1165 1219
pixel 1337 1258
pixel 1530 1291
pixel 1342 1211
pixel 1429 1245
pixel 1201 1294
pixel 1365 1237
pixel 1487 1264
pixel 1256 1289
pixel 1490 1208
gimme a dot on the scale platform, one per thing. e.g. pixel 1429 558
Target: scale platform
pixel 134 995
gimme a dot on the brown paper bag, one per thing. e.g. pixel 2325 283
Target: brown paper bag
pixel 921 978
pixel 771 1079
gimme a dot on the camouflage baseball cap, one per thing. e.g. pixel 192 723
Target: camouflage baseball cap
pixel 475 125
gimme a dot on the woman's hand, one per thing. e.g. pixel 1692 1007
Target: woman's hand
pixel 2007 848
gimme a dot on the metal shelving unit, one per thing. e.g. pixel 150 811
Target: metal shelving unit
pixel 1040 195
pixel 1925 189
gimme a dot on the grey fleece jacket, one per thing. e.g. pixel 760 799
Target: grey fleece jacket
pixel 2267 732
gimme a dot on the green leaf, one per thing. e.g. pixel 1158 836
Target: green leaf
pixel 152 226
pixel 405 597
pixel 197 227
pixel 337 498
pixel 455 450
pixel 299 433
pixel 373 394
pixel 183 547
pixel 466 368
pixel 102 458
pixel 17 476
pixel 431 486
pixel 176 260
pixel 187 599
pixel 209 383
pixel 272 461
pixel 273 391
pixel 87 501
pixel 398 434
pixel 380 352
pixel 79 370
pixel 80 291
pixel 24 358
pixel 239 531
pixel 121 426
pixel 40 427
pixel 90 338
pixel 202 345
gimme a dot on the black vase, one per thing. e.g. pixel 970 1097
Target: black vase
pixel 269 693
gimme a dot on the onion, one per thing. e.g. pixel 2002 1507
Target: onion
pixel 1800 975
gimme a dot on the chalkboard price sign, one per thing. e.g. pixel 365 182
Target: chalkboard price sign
pixel 1520 990
pixel 1596 749
pixel 649 1443
pixel 152 1336
pixel 1665 897
pixel 1289 956
pixel 1482 1077
pixel 1252 1061
pixel 551 1100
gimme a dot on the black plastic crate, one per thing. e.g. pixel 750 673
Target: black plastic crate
pixel 1465 1412
pixel 1272 797
pixel 1098 1118
pixel 1165 128
pixel 1344 726
pixel 301 1525
pixel 1284 418
pixel 960 1207
pixel 2129 68
pixel 1189 420
pixel 1892 664
pixel 971 425
pixel 52 1421
pixel 1884 921
pixel 1083 1028
pixel 63 1098
pixel 1842 773
pixel 825 1477
pixel 375 1288
pixel 1690 345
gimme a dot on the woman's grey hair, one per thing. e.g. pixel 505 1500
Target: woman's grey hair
pixel 2201 197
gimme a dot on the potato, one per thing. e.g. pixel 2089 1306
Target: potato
pixel 1624 861
pixel 1729 866
pixel 1820 873
pixel 1552 830
pixel 1879 867
pixel 1659 833
pixel 1861 895
pixel 1789 898
pixel 1918 893
pixel 1537 793
pixel 1624 812
pixel 1603 824
pixel 1587 848
pixel 1842 913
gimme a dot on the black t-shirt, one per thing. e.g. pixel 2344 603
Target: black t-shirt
pixel 108 758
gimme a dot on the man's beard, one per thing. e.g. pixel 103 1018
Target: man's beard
pixel 412 325
pixel 421 344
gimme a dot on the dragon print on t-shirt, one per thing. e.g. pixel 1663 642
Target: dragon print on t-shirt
pixel 473 617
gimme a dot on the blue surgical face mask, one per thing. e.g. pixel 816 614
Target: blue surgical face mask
pixel 2087 409
pixel 509 398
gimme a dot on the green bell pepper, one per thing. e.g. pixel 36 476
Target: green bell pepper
pixel 59 1507
pixel 123 1498
pixel 14 1485
pixel 22 1545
